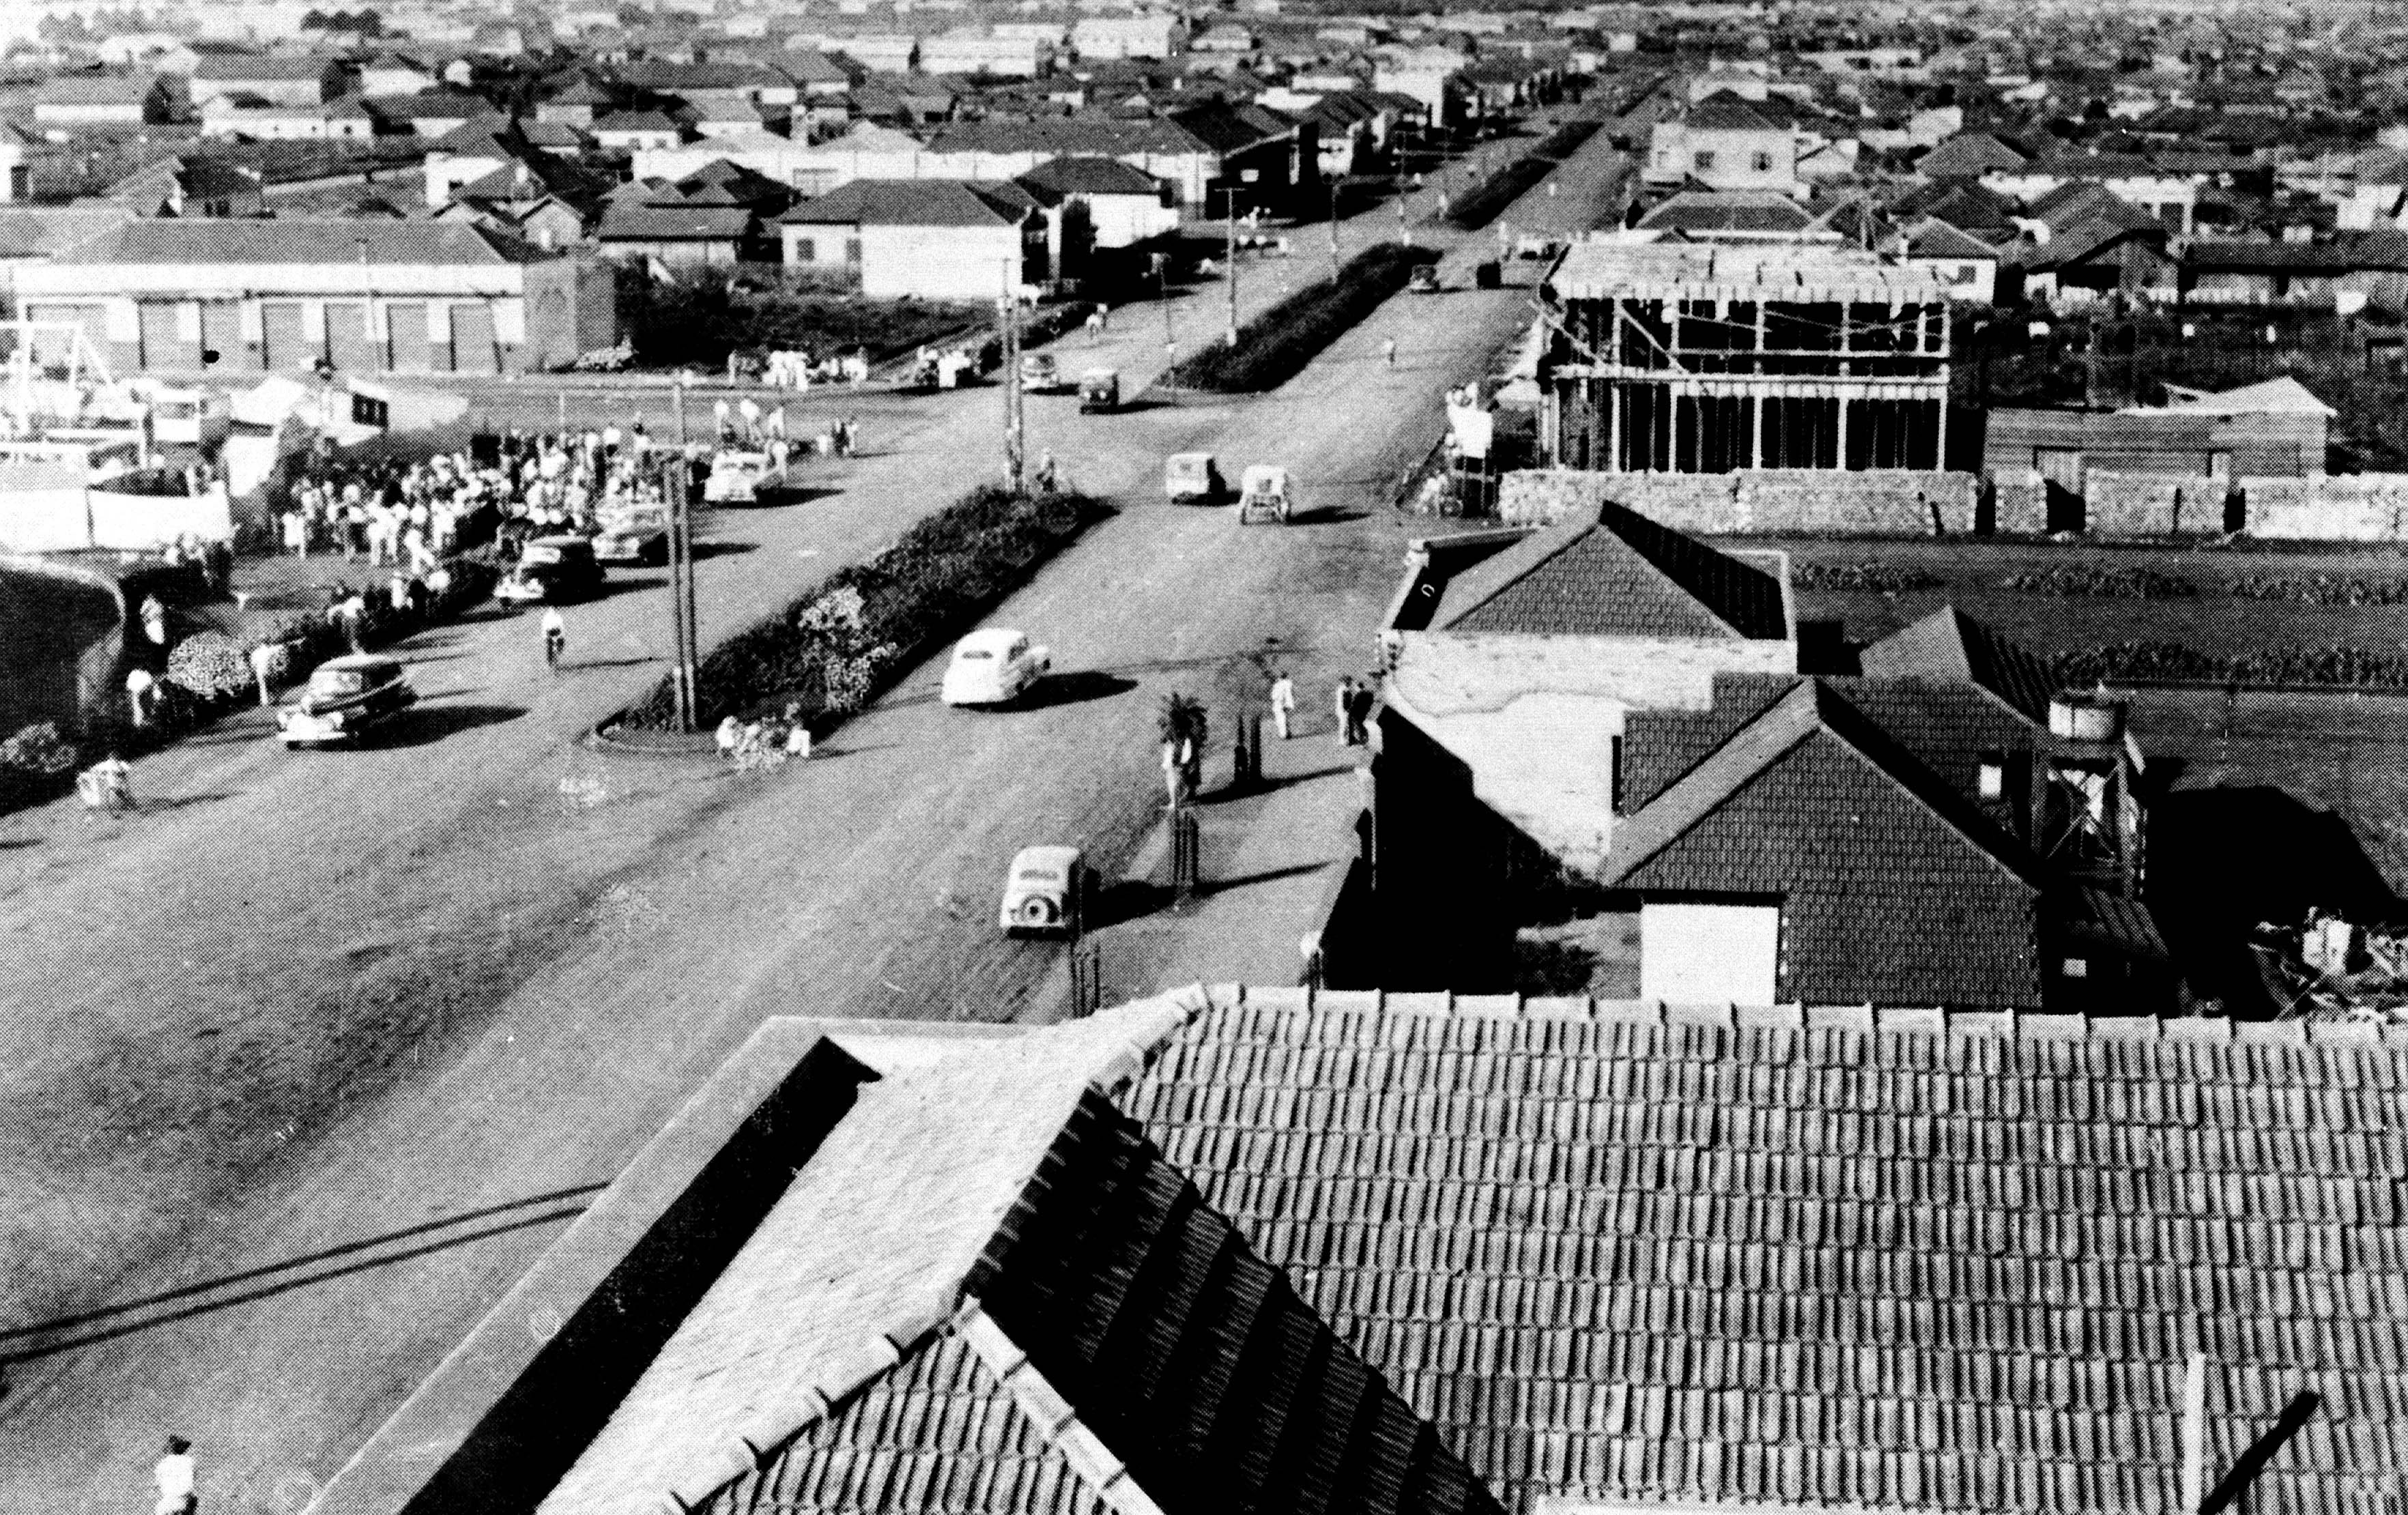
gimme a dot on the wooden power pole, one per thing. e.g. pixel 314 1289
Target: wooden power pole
pixel 1014 429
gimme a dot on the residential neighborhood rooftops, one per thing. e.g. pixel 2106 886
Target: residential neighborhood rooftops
pixel 916 201
pixel 202 240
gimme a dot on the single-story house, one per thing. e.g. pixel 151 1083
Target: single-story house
pixel 2276 429
pixel 933 238
pixel 370 296
pixel 281 78
pixel 72 100
pixel 431 113
pixel 636 131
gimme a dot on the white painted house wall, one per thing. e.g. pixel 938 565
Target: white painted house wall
pixel 1710 954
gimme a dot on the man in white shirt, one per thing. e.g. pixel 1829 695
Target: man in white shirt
pixel 176 1479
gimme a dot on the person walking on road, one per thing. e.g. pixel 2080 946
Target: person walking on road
pixel 1342 702
pixel 555 637
pixel 1174 774
pixel 177 1479
pixel 141 691
pixel 267 662
pixel 1388 351
pixel 1283 702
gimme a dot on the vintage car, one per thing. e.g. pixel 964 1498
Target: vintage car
pixel 1194 479
pixel 1046 890
pixel 1040 375
pixel 1100 391
pixel 640 536
pixel 738 477
pixel 1423 279
pixel 1265 494
pixel 993 666
pixel 345 699
pixel 552 569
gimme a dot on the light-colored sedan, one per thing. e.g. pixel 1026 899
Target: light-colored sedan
pixel 993 666
pixel 1046 890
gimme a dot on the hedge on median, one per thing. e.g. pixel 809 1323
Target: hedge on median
pixel 1488 199
pixel 832 649
pixel 2335 666
pixel 1275 346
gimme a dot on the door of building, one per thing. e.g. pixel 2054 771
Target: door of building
pixel 280 328
pixel 472 339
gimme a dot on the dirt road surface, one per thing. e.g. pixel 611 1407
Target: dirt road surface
pixel 304 1063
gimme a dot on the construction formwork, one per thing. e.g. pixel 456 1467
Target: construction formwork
pixel 1688 358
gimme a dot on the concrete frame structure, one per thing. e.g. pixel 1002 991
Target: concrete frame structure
pixel 1678 358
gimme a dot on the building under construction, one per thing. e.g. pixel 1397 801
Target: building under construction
pixel 1672 357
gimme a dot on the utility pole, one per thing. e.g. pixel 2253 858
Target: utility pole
pixel 677 483
pixel 1333 228
pixel 1229 207
pixel 1014 433
pixel 1162 273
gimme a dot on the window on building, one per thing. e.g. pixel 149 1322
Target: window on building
pixel 853 251
pixel 806 250
pixel 2077 967
pixel 1763 161
pixel 1704 163
pixel 1993 776
pixel 1613 774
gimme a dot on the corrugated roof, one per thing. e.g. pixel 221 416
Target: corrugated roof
pixel 1615 574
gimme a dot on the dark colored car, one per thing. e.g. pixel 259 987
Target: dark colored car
pixel 347 698
pixel 552 569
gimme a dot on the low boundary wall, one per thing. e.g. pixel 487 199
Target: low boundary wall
pixel 1785 501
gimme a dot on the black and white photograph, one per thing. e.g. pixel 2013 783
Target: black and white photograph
pixel 1203 757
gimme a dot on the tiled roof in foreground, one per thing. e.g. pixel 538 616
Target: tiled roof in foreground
pixel 1904 1263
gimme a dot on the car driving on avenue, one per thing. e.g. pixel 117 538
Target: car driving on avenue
pixel 552 569
pixel 1040 375
pixel 1046 891
pixel 737 476
pixel 345 699
pixel 1194 479
pixel 640 536
pixel 993 666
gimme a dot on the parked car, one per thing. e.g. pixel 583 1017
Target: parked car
pixel 1265 495
pixel 345 699
pixel 1100 391
pixel 737 476
pixel 1194 479
pixel 640 536
pixel 1040 375
pixel 993 666
pixel 1046 890
pixel 552 569
pixel 1424 279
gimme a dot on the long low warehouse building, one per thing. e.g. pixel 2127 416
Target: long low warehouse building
pixel 387 297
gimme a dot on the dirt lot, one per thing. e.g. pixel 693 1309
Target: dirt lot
pixel 1972 574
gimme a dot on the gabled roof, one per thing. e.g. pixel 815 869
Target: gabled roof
pixel 2280 396
pixel 1615 574
pixel 1813 712
pixel 1728 211
pixel 1969 155
pixel 659 221
pixel 96 89
pixel 262 66
pixel 916 201
pixel 986 1267
pixel 434 105
pixel 206 241
pixel 1950 644
pixel 633 120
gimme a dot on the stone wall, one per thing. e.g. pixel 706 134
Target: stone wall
pixel 2152 504
pixel 2344 507
pixel 2019 507
pixel 1802 502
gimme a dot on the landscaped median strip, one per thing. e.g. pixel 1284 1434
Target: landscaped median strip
pixel 833 649
pixel 1488 199
pixel 1275 346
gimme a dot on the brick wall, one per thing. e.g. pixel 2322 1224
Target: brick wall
pixel 1769 501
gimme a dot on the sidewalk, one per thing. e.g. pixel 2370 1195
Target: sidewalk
pixel 1269 859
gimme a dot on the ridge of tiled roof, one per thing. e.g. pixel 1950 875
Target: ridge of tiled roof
pixel 915 202
pixel 1615 573
pixel 1824 1257
pixel 1950 644
pixel 1726 113
pixel 1082 173
pixel 862 1259
pixel 1937 239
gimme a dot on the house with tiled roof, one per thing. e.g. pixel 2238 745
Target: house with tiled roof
pixel 99 99
pixel 1968 156
pixel 931 238
pixel 1263 1249
pixel 1705 215
pixel 191 184
pixel 434 113
pixel 1516 659
pixel 1726 143
pixel 636 131
pixel 281 78
pixel 1941 829
pixel 1118 206
pixel 1963 265
pixel 282 294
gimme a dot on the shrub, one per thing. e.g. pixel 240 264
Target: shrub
pixel 1274 346
pixel 38 752
pixel 1864 578
pixel 2331 665
pixel 2322 588
pixel 832 649
pixel 209 665
pixel 2105 583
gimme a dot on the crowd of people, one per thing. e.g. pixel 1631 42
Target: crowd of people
pixel 413 515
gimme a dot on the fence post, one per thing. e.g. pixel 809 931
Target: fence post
pixel 1086 978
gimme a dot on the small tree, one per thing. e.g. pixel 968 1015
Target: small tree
pixel 1181 720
